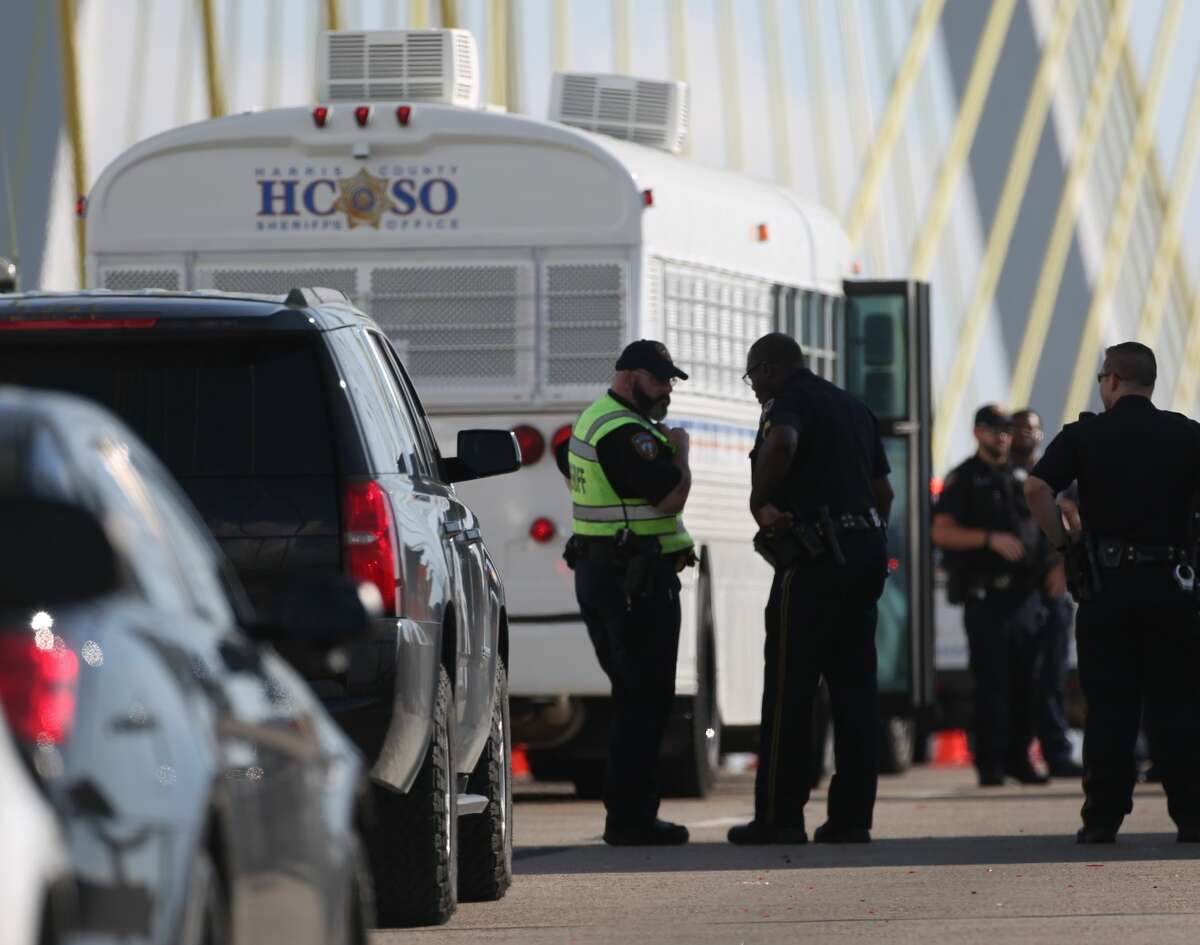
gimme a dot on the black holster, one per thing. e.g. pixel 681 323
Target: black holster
pixel 1083 569
pixel 635 555
pixel 829 535
pixel 784 547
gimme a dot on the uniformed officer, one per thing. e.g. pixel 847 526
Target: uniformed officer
pixel 1054 636
pixel 1137 634
pixel 995 558
pixel 629 480
pixel 819 478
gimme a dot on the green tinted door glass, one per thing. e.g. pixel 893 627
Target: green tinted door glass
pixel 893 629
pixel 876 355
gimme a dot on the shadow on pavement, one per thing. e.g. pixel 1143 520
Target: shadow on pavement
pixel 908 852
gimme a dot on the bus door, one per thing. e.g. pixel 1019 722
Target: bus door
pixel 885 361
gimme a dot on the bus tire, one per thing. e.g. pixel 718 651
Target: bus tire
pixel 414 848
pixel 897 736
pixel 485 840
pixel 693 772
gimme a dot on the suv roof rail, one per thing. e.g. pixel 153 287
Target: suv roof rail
pixel 310 296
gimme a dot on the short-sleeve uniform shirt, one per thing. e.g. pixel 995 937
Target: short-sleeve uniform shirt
pixel 839 452
pixel 1138 470
pixel 977 494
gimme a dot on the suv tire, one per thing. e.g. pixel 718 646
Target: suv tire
pixel 485 840
pixel 415 844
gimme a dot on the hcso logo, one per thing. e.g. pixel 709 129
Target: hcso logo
pixel 312 201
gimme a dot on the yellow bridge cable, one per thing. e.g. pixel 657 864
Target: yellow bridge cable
pixel 449 14
pixel 71 105
pixel 1096 326
pixel 823 130
pixel 560 34
pixel 1185 383
pixel 1168 243
pixel 497 27
pixel 1000 236
pixel 777 92
pixel 333 15
pixel 987 55
pixel 212 68
pixel 677 29
pixel 622 59
pixel 1131 79
pixel 418 14
pixel 731 99
pixel 1037 326
pixel 893 118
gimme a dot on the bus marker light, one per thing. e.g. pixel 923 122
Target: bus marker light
pixel 320 116
pixel 531 442
pixel 403 113
pixel 362 115
pixel 542 530
pixel 561 436
pixel 648 197
pixel 762 233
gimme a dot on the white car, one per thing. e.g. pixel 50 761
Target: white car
pixel 36 889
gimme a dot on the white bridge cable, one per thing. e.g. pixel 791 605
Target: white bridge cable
pixel 1096 326
pixel 1058 246
pixel 1020 167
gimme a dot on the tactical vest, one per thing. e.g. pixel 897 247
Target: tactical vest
pixel 597 509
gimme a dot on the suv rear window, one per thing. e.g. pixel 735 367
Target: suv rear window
pixel 229 408
pixel 241 422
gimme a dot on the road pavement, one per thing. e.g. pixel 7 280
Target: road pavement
pixel 950 863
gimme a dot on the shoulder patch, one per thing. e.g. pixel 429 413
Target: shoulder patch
pixel 645 445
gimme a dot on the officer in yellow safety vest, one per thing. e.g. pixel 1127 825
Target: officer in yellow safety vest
pixel 629 480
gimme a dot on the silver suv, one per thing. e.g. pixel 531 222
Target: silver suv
pixel 294 429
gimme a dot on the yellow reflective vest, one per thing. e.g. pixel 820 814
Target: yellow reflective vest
pixel 597 509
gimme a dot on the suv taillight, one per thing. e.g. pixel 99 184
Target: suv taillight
pixel 369 542
pixel 39 676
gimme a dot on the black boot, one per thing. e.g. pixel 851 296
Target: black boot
pixel 660 833
pixel 757 832
pixel 1096 834
pixel 829 832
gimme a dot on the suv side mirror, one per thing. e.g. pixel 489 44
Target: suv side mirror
pixel 318 611
pixel 52 552
pixel 482 453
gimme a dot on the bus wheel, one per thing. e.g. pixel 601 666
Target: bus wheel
pixel 897 737
pixel 693 771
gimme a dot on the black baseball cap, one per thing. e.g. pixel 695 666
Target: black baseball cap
pixel 651 356
pixel 992 416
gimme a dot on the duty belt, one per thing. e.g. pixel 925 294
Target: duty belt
pixel 849 522
pixel 1114 554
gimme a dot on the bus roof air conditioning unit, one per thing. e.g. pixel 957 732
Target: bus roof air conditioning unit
pixel 647 111
pixel 440 66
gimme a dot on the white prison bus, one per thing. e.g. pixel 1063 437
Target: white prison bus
pixel 510 260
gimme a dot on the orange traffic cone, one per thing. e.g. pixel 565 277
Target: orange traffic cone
pixel 950 748
pixel 520 762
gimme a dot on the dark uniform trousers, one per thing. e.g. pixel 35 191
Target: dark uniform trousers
pixel 820 622
pixel 1139 646
pixel 1054 651
pixel 1003 643
pixel 637 645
